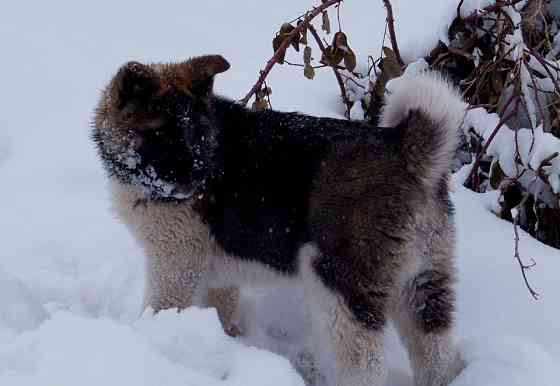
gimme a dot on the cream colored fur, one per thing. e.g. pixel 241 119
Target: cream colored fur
pixel 179 253
pixel 184 265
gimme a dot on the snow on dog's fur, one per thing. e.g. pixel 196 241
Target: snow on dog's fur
pixel 220 196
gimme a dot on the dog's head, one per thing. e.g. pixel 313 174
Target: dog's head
pixel 154 125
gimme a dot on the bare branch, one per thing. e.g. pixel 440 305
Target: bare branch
pixel 459 8
pixel 296 31
pixel 392 34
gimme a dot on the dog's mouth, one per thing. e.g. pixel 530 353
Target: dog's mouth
pixel 184 191
pixel 161 188
pixel 161 183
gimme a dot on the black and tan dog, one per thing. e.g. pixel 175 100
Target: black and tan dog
pixel 220 196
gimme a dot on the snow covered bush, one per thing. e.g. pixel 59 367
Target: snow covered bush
pixel 504 56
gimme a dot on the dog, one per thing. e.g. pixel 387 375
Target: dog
pixel 220 196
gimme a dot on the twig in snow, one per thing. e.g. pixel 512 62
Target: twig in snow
pixel 524 267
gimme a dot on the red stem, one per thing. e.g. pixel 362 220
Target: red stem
pixel 272 61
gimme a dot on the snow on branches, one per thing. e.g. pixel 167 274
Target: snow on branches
pixel 504 56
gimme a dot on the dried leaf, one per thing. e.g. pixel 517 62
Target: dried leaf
pixel 295 42
pixel 389 69
pixel 350 60
pixel 286 28
pixel 340 40
pixel 332 56
pixel 303 39
pixel 326 26
pixel 263 93
pixel 309 71
pixel 497 175
pixel 307 55
pixel 391 66
pixel 497 83
pixel 260 105
pixel 276 43
pixel 261 102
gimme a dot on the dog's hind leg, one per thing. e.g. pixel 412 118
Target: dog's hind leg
pixel 423 317
pixel 358 349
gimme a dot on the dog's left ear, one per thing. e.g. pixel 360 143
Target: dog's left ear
pixel 202 71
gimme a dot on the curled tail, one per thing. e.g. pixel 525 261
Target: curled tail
pixel 430 111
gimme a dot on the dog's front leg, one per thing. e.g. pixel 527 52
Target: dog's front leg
pixel 172 281
pixel 226 302
pixel 184 281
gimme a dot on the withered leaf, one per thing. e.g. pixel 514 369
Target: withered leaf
pixel 497 175
pixel 350 60
pixel 391 65
pixel 286 28
pixel 260 104
pixel 276 43
pixel 389 69
pixel 303 39
pixel 326 25
pixel 309 71
pixel 307 55
pixel 497 83
pixel 295 42
pixel 340 40
pixel 332 56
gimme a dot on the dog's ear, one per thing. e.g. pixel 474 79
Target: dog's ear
pixel 135 83
pixel 202 70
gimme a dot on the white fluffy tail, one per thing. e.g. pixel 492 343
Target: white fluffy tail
pixel 430 111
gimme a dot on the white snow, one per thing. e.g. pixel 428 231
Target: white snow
pixel 525 364
pixel 188 349
pixel 71 278
pixel 20 310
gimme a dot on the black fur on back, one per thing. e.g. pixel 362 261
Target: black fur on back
pixel 258 207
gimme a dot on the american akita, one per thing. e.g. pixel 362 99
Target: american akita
pixel 220 196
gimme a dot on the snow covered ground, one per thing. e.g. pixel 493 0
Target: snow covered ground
pixel 70 275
